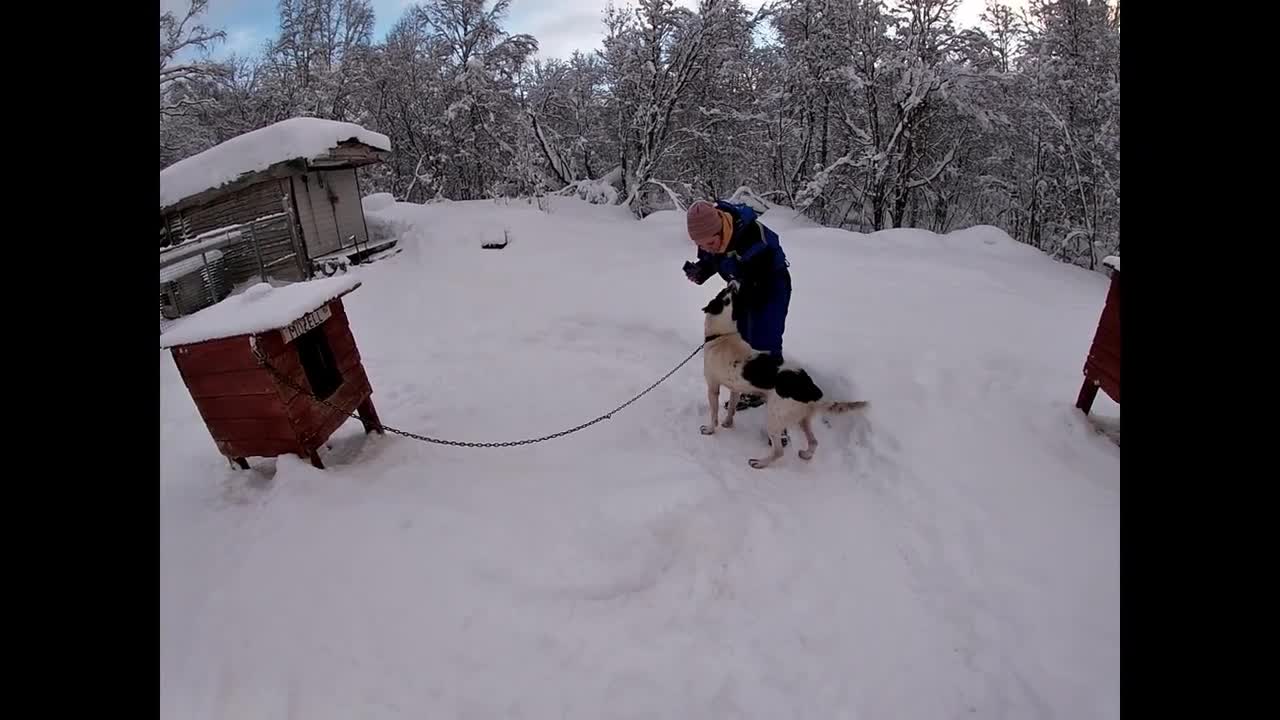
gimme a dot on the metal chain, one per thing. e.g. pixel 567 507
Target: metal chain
pixel 262 360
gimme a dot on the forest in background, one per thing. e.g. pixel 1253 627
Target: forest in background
pixel 861 114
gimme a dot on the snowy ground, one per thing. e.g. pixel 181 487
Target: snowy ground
pixel 953 555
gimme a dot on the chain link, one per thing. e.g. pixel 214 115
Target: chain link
pixel 262 360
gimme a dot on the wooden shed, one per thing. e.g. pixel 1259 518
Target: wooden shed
pixel 1102 365
pixel 304 167
pixel 302 331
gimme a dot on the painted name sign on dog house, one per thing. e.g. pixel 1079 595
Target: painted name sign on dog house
pixel 302 325
pixel 303 332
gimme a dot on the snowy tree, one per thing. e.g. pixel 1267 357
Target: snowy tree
pixel 1073 62
pixel 318 61
pixel 478 67
pixel 652 55
pixel 179 36
pixel 564 107
pixel 1001 25
pixel 186 74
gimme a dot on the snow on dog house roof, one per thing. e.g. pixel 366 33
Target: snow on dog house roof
pixel 258 309
pixel 286 148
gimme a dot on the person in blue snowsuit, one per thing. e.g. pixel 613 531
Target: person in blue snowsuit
pixel 734 243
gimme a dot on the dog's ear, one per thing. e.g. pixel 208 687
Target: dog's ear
pixel 715 307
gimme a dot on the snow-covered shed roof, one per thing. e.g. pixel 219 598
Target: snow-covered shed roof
pixel 256 310
pixel 312 141
pixel 1112 261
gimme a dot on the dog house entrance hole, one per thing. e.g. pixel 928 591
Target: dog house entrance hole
pixel 318 363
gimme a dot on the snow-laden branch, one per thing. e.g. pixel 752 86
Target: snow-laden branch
pixel 563 174
pixel 675 199
pixel 181 107
pixel 942 165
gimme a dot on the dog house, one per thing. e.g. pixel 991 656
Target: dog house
pixel 1102 365
pixel 303 333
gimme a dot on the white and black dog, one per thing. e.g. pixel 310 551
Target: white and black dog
pixel 791 396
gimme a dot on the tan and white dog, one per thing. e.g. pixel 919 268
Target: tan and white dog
pixel 791 397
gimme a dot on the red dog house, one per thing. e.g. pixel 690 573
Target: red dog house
pixel 1102 366
pixel 301 330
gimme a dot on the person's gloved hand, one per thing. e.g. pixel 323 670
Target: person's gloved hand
pixel 695 273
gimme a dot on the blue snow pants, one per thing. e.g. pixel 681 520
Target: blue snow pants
pixel 764 317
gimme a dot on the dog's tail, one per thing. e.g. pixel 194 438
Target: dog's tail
pixel 836 408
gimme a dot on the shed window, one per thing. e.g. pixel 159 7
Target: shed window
pixel 318 362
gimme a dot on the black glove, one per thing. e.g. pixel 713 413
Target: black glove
pixel 696 273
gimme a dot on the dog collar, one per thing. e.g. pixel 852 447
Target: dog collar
pixel 717 336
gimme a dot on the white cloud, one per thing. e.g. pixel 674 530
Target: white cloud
pixel 241 41
pixel 567 25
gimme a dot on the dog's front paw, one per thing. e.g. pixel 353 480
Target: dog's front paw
pixel 708 429
pixel 805 454
pixel 728 423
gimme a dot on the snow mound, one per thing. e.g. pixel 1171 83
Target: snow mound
pixel 301 137
pixel 470 223
pixel 664 217
pixel 990 239
pixel 780 218
pixel 950 551
pixel 747 196
pixel 1112 261
pixel 259 308
pixel 601 191
pixel 377 201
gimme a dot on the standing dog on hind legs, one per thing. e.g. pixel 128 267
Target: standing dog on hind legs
pixel 791 397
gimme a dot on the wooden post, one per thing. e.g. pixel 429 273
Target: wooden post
pixel 1088 391
pixel 208 279
pixel 369 417
pixel 298 248
pixel 257 250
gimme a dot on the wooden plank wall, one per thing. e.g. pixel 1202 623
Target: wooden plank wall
pixel 239 402
pixel 241 206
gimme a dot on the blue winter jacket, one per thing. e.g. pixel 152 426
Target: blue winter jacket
pixel 754 254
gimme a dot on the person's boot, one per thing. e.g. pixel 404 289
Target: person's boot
pixel 747 401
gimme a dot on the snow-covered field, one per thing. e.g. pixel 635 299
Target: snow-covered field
pixel 952 554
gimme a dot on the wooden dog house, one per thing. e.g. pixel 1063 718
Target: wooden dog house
pixel 302 331
pixel 1102 365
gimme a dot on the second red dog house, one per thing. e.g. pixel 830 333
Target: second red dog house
pixel 300 330
pixel 1102 365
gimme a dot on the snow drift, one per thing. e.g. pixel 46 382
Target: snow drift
pixel 955 553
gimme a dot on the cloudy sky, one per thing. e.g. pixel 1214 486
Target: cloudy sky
pixel 561 26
